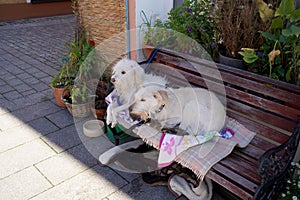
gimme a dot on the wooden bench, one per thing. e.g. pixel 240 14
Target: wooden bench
pixel 268 107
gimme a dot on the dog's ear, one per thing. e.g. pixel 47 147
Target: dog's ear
pixel 161 96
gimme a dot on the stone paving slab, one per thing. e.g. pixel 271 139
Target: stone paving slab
pixel 61 118
pixel 43 126
pixel 23 185
pixel 64 166
pixel 63 139
pixel 3 110
pixel 138 190
pixel 17 136
pixel 23 156
pixel 95 183
pixel 8 121
pixel 35 111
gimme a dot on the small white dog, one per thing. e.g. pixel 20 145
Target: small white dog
pixel 127 77
pixel 196 110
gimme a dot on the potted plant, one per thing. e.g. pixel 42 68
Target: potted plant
pixel 278 57
pixel 99 110
pixel 96 73
pixel 78 99
pixel 187 26
pixel 101 90
pixel 78 52
pixel 62 81
pixel 239 23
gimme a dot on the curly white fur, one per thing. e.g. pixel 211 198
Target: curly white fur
pixel 196 110
pixel 128 76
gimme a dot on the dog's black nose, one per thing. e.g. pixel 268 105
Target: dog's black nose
pixel 135 116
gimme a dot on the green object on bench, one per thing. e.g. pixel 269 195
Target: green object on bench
pixel 116 134
pixel 119 134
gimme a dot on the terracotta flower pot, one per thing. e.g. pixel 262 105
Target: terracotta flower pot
pixel 58 94
pixel 99 110
pixel 98 113
pixel 148 50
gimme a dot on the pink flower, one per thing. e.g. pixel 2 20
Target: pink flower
pixel 168 146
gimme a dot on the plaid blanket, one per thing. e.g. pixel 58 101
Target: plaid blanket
pixel 201 158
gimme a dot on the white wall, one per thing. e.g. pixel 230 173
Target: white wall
pixel 153 8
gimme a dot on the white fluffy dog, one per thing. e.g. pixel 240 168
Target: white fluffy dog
pixel 127 77
pixel 196 110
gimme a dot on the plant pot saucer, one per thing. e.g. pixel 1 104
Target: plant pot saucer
pixel 93 128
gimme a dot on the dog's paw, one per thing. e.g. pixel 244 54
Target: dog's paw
pixel 108 122
pixel 113 124
pixel 111 120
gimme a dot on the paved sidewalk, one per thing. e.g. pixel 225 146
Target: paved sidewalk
pixel 43 154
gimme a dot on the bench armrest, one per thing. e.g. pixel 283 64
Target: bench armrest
pixel 274 165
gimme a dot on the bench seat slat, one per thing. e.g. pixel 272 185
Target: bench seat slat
pixel 291 89
pixel 257 114
pixel 229 185
pixel 234 178
pixel 256 101
pixel 262 144
pixel 260 88
pixel 262 103
pixel 242 167
pixel 240 154
pixel 260 129
pixel 252 152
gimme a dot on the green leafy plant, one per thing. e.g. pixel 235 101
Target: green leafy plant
pixel 193 19
pixel 72 63
pixel 280 53
pixel 78 94
pixel 80 50
pixel 65 77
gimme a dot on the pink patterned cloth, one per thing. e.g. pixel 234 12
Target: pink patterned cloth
pixel 172 145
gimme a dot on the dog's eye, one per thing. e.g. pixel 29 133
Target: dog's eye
pixel 143 100
pixel 123 72
pixel 155 96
